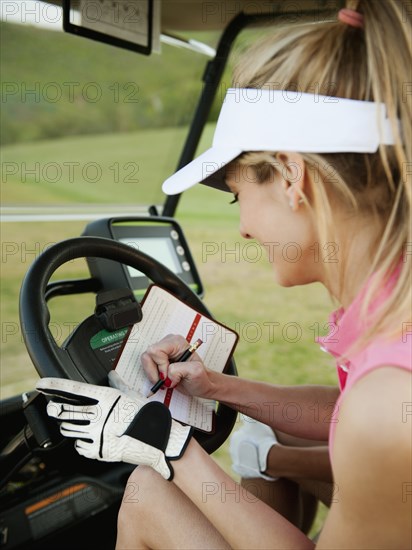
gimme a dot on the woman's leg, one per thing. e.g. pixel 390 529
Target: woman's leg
pixel 156 514
pixel 159 516
pixel 282 495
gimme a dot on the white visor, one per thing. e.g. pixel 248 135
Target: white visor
pixel 279 120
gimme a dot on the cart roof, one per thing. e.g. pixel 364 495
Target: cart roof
pixel 198 15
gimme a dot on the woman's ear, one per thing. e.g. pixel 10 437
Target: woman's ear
pixel 293 177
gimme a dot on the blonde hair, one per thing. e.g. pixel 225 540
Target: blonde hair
pixel 372 64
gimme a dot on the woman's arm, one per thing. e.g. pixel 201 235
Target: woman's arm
pixel 300 462
pixel 303 411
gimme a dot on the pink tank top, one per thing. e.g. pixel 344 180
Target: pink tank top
pixel 345 327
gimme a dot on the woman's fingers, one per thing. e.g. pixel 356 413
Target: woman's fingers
pixel 157 358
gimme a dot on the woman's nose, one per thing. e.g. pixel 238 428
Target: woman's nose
pixel 243 232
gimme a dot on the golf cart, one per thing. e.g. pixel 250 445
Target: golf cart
pixel 50 497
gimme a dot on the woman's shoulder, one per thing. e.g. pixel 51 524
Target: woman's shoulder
pixel 371 461
pixel 372 447
pixel 378 407
pixel 373 434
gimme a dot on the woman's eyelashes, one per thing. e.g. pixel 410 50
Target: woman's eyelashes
pixel 235 198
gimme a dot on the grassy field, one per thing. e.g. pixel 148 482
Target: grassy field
pixel 277 326
pixel 70 86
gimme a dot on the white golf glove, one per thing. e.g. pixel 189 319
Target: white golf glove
pixel 112 426
pixel 249 448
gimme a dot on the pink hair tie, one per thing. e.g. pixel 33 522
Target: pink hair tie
pixel 351 17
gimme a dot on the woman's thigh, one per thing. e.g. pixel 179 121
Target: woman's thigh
pixel 156 514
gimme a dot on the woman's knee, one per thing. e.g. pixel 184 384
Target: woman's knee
pixel 142 486
pixel 139 490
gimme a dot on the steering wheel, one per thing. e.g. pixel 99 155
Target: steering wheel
pixel 52 360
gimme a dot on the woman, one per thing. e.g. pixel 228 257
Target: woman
pixel 314 142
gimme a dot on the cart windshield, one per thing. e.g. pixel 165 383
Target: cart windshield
pixel 86 126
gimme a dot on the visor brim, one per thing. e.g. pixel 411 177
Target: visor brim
pixel 208 168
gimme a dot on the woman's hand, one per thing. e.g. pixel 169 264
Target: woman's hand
pixel 192 377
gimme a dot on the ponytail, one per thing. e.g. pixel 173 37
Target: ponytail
pixel 389 64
